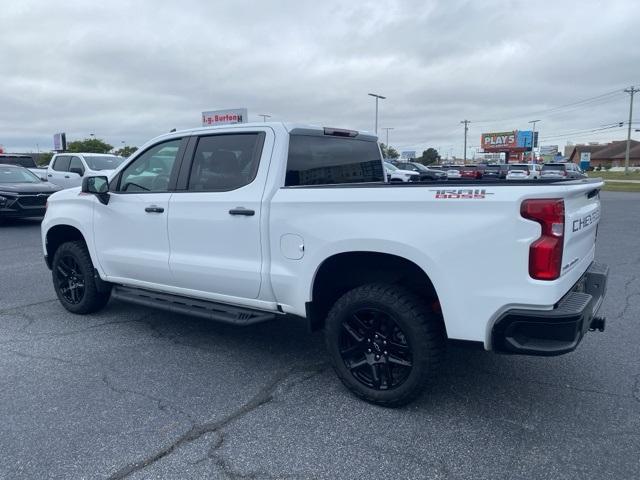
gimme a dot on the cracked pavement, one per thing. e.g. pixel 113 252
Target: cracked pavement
pixel 136 393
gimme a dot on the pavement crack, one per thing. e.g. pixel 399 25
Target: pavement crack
pixel 49 359
pixel 17 307
pixel 162 404
pixel 264 396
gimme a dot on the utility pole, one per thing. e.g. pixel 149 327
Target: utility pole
pixel 387 130
pixel 466 129
pixel 377 97
pixel 533 140
pixel 264 116
pixel 631 91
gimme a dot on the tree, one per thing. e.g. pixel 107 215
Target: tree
pixel 44 158
pixel 388 152
pixel 89 145
pixel 126 151
pixel 429 156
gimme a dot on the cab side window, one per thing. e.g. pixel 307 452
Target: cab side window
pixel 151 171
pixel 76 163
pixel 61 163
pixel 225 162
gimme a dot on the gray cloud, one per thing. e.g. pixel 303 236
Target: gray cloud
pixel 132 70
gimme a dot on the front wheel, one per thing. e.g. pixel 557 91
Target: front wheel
pixel 74 281
pixel 384 342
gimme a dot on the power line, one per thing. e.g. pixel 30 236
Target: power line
pixel 587 102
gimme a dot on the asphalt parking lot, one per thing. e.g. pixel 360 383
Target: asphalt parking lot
pixel 136 393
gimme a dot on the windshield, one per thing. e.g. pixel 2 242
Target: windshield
pixel 492 167
pixel 17 175
pixel 470 168
pixel 390 166
pixel 106 162
pixel 419 166
pixel 22 160
pixel 553 166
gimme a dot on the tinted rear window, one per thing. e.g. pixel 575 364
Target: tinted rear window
pixel 322 160
pixel 518 167
pixel 492 167
pixel 553 166
pixel 27 162
pixel 470 168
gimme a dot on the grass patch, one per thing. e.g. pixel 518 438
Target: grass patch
pixel 615 175
pixel 621 187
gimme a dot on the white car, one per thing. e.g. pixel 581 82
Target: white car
pixel 524 171
pixel 453 172
pixel 394 174
pixel 263 220
pixel 67 169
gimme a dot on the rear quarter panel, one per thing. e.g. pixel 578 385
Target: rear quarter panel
pixel 471 242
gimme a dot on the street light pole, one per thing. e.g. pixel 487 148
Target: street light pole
pixel 631 91
pixel 533 140
pixel 466 129
pixel 264 116
pixel 377 97
pixel 387 130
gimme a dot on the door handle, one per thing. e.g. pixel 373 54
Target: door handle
pixel 49 175
pixel 154 209
pixel 66 176
pixel 242 211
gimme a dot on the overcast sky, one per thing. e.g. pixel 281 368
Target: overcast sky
pixel 128 71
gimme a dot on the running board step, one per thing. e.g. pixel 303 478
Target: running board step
pixel 190 306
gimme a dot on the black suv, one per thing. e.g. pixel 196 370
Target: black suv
pixel 425 172
pixel 496 171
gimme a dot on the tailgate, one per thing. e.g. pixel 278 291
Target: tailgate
pixel 582 215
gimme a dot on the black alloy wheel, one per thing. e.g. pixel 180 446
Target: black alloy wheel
pixel 385 343
pixel 375 349
pixel 71 281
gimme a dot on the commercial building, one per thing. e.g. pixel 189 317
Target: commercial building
pixel 605 154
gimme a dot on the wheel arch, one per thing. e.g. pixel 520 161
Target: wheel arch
pixel 343 271
pixel 59 234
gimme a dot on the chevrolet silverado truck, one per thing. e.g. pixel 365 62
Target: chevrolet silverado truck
pixel 244 223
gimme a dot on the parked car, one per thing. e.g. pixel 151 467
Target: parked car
pixel 22 192
pixel 496 171
pixel 471 172
pixel 394 174
pixel 426 173
pixel 561 170
pixel 262 220
pixel 453 172
pixel 23 160
pixel 524 171
pixel 67 169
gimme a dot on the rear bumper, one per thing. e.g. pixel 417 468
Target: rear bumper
pixel 557 331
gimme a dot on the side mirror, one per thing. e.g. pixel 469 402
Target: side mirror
pixel 76 170
pixel 98 186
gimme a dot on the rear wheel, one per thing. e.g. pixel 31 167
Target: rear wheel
pixel 74 281
pixel 385 343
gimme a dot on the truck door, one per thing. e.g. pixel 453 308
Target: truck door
pixel 130 232
pixel 215 213
pixel 58 172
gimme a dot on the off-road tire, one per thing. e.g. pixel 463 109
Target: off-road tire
pixel 93 298
pixel 422 328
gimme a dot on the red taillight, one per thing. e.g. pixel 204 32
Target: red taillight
pixel 545 254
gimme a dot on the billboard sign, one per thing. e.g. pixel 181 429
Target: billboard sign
pixel 499 140
pixel 60 142
pixel 224 117
pixel 548 149
pixel 408 154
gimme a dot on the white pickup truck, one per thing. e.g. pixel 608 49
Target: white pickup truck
pixel 67 169
pixel 246 222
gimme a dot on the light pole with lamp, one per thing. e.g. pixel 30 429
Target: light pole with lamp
pixel 377 97
pixel 533 140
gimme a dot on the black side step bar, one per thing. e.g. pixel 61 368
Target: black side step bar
pixel 190 306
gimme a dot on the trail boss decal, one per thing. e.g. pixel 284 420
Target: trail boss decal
pixel 462 193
